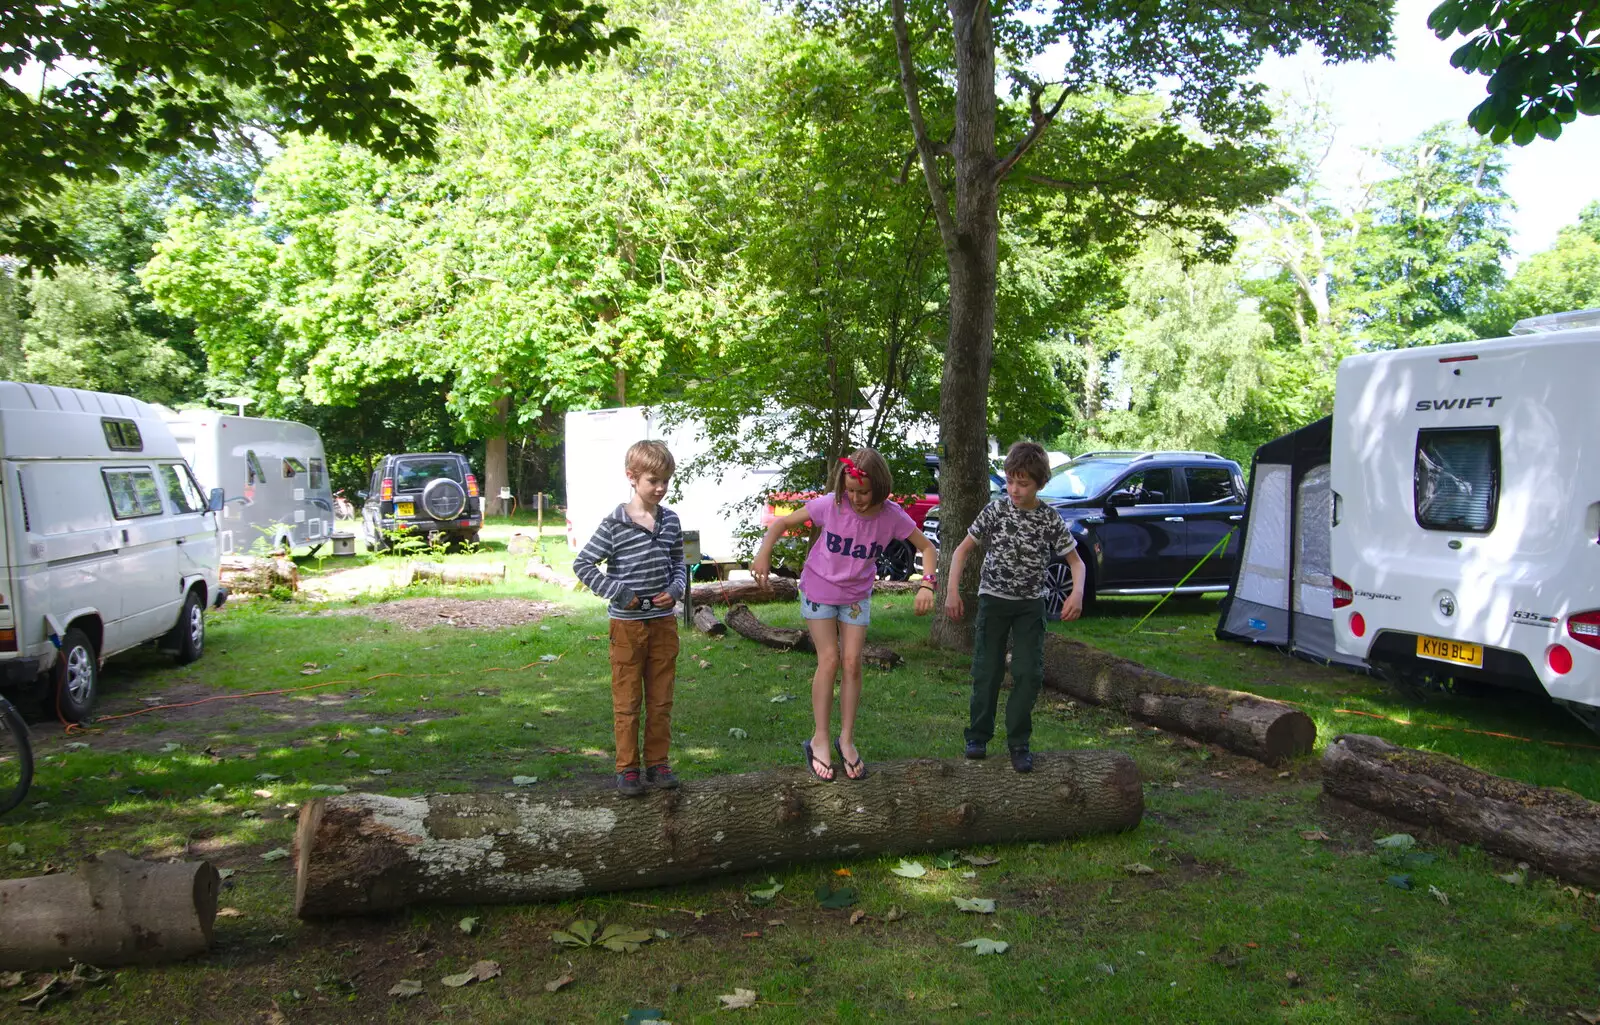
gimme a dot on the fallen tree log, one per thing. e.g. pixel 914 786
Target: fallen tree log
pixel 707 622
pixel 364 853
pixel 1556 831
pixel 550 575
pixel 113 910
pixel 730 592
pixel 1269 731
pixel 250 574
pixel 786 638
pixel 438 572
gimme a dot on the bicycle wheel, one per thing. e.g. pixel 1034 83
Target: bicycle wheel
pixel 16 758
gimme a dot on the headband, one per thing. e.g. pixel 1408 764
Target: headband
pixel 851 469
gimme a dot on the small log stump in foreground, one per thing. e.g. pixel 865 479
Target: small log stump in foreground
pixel 113 910
pixel 788 638
pixel 363 853
pixel 1266 730
pixel 1554 830
pixel 707 622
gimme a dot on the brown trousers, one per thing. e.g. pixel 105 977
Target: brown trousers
pixel 644 666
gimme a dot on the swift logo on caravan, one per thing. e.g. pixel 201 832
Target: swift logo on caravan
pixel 1488 401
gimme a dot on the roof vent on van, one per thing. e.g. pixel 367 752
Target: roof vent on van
pixel 1556 322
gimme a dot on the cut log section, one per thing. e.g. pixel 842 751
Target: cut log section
pixel 730 592
pixel 438 572
pixel 786 638
pixel 707 622
pixel 364 853
pixel 1266 730
pixel 550 575
pixel 250 574
pixel 113 910
pixel 1555 830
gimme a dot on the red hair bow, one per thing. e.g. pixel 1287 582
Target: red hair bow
pixel 851 468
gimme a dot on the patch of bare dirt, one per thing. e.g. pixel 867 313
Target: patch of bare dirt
pixel 463 613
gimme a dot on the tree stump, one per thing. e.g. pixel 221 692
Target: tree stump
pixel 550 575
pixel 493 573
pixel 1269 731
pixel 113 910
pixel 250 574
pixel 364 853
pixel 1555 830
pixel 707 622
pixel 787 638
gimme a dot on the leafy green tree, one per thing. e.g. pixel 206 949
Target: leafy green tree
pixel 1564 277
pixel 123 82
pixel 1540 56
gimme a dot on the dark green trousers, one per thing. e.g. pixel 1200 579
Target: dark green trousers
pixel 1023 622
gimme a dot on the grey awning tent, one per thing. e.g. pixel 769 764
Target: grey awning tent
pixel 1282 586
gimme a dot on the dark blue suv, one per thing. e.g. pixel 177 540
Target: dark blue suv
pixel 1144 521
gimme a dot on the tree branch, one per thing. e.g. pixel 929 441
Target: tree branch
pixel 1041 121
pixel 919 128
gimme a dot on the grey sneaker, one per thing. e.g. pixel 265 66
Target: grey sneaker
pixel 661 776
pixel 1021 759
pixel 976 750
pixel 628 784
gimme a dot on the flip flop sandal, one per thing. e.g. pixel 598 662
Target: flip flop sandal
pixel 857 767
pixel 813 762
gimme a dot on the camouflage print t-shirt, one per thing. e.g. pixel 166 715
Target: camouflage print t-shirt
pixel 1018 546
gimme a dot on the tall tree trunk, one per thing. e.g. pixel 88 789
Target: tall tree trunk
pixel 495 473
pixel 971 251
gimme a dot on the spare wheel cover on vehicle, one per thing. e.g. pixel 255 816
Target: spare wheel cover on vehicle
pixel 443 499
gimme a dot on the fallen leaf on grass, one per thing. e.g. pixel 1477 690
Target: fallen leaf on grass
pixel 276 854
pixel 1399 882
pixel 766 893
pixel 739 998
pixel 894 914
pixel 330 788
pixel 249 813
pixel 77 745
pixel 621 940
pixel 1516 878
pixel 267 777
pixel 909 869
pixel 1396 842
pixel 781 698
pixel 524 781
pixel 262 793
pixel 976 905
pixel 703 663
pixel 481 971
pixel 170 746
pixel 737 734
pixel 380 772
pixel 842 872
pixel 223 873
pixel 984 945
pixel 310 672
pixel 406 988
pixel 10 980
pixel 468 926
pixel 1314 834
pixel 1293 978
pixel 555 984
pixel 857 917
pixel 1138 868
pixel 17 849
pixel 1439 895
pixel 229 913
pixel 836 899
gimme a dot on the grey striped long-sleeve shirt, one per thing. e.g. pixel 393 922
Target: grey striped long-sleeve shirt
pixel 640 563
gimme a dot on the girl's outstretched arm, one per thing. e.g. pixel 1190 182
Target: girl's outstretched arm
pixel 761 568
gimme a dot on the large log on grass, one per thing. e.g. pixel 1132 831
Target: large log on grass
pixel 438 572
pixel 550 575
pixel 1267 730
pixel 249 574
pixel 363 853
pixel 786 638
pixel 730 592
pixel 113 910
pixel 1554 830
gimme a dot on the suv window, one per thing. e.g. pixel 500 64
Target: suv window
pixel 1210 485
pixel 1148 487
pixel 416 471
pixel 1457 478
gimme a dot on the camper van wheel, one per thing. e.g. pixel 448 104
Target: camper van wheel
pixel 190 633
pixel 77 676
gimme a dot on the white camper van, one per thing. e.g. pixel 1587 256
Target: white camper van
pixel 1466 513
pixel 108 540
pixel 273 474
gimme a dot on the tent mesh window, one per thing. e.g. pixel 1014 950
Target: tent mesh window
pixel 1457 478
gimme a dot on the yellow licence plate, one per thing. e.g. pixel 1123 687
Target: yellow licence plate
pixel 1441 650
pixel 405 509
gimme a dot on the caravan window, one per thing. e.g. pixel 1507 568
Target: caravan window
pixel 316 473
pixel 133 493
pixel 182 491
pixel 292 466
pixel 254 474
pixel 122 435
pixel 1457 479
pixel 1210 485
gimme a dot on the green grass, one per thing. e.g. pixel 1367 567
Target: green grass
pixel 1238 898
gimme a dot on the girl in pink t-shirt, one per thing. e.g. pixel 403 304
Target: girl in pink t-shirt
pixel 855 522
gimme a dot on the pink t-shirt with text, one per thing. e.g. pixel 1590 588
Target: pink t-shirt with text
pixel 844 560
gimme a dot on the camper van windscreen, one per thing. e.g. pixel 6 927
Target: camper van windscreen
pixel 1457 479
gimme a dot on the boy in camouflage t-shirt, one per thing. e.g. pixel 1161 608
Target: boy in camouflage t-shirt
pixel 1021 537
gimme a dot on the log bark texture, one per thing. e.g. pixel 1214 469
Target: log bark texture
pixel 250 574
pixel 787 638
pixel 364 853
pixel 1555 830
pixel 707 622
pixel 729 592
pixel 113 910
pixel 1269 731
pixel 550 575
pixel 492 573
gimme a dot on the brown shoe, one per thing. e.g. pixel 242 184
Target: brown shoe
pixel 661 776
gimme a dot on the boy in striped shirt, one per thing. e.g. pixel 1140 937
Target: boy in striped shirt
pixel 641 544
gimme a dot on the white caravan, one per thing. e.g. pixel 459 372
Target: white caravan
pixel 108 540
pixel 273 475
pixel 1466 516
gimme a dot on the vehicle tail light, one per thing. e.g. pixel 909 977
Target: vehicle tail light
pixel 1584 627
pixel 1342 595
pixel 1560 659
pixel 386 493
pixel 472 486
pixel 1358 625
pixel 8 639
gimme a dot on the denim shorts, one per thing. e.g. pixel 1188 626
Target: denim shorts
pixel 857 614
